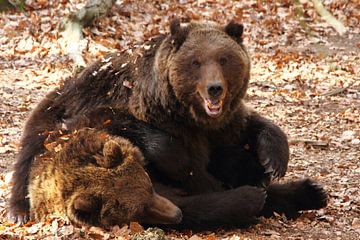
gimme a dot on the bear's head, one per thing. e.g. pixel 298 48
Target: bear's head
pixel 207 69
pixel 119 190
pixel 96 179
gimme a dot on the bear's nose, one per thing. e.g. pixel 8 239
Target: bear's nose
pixel 215 90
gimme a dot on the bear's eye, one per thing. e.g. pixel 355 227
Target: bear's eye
pixel 223 61
pixel 196 63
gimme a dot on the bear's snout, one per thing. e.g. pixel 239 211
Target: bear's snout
pixel 162 211
pixel 215 89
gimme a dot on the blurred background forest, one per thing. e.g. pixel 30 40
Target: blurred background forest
pixel 305 77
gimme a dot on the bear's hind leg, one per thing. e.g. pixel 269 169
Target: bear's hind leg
pixel 292 197
pixel 232 208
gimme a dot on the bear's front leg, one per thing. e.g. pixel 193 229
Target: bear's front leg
pixel 249 151
pixel 270 143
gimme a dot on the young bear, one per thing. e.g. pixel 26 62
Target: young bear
pixel 96 179
pixel 231 207
pixel 188 90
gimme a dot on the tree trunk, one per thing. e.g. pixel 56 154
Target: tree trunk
pixel 9 4
pixel 73 24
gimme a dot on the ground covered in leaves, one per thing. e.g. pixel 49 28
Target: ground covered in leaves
pixel 305 77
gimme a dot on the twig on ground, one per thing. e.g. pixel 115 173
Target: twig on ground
pixel 337 90
pixel 309 142
pixel 299 12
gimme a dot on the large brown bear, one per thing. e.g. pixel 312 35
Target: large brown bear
pixel 95 178
pixel 205 148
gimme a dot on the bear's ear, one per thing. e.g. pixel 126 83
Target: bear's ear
pixel 112 155
pixel 178 34
pixel 235 30
pixel 87 208
pixel 175 27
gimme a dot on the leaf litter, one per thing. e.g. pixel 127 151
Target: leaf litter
pixel 307 81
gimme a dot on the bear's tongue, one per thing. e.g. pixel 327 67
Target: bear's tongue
pixel 213 108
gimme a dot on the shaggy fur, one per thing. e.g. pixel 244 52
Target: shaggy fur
pixel 235 205
pixel 97 179
pixel 188 89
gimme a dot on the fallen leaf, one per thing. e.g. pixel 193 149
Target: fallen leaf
pixel 135 227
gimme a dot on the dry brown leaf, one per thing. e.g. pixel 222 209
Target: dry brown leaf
pixel 135 227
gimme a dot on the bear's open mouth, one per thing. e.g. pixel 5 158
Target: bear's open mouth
pixel 213 108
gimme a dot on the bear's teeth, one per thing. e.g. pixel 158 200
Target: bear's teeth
pixel 213 104
pixel 212 108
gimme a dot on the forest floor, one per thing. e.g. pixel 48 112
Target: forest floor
pixel 307 80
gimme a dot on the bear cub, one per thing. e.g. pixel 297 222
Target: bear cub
pixel 96 179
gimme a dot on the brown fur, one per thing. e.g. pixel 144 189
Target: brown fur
pixel 94 178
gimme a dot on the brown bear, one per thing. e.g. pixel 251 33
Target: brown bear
pixel 97 179
pixel 183 101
